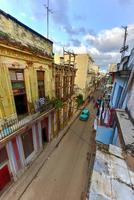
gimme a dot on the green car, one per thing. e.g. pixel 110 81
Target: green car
pixel 84 114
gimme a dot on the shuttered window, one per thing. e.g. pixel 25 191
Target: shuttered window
pixel 41 83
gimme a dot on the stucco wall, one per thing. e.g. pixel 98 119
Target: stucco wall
pixel 84 64
pixel 7 104
pixel 20 34
pixel 81 74
pixel 130 104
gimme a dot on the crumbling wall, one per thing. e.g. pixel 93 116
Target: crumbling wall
pixel 17 33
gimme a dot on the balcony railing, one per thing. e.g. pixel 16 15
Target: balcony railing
pixel 13 125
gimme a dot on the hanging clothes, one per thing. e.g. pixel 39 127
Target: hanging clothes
pixel 111 117
pixel 95 124
pixel 107 116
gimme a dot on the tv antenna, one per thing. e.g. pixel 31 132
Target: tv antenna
pixel 124 47
pixel 48 12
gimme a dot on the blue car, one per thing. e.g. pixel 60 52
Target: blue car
pixel 84 115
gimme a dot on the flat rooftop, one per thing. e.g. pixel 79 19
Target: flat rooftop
pixel 111 178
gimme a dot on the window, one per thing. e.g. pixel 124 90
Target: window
pixel 18 86
pixel 57 85
pixel 27 141
pixel 17 80
pixel 41 83
pixel 65 86
pixel 72 85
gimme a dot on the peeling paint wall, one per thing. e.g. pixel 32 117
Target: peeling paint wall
pixel 20 34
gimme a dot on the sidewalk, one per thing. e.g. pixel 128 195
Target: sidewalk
pixel 16 190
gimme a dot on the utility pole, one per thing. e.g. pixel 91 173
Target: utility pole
pixel 124 47
pixel 48 11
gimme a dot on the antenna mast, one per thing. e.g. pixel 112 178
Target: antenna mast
pixel 48 11
pixel 125 47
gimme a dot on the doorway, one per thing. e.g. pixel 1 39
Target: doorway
pixel 21 104
pixel 4 170
pixel 44 127
pixel 27 142
pixel 44 135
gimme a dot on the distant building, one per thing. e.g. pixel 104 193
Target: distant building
pixel 86 76
pixel 112 67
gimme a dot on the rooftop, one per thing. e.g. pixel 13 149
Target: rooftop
pixel 17 35
pixel 23 25
pixel 111 178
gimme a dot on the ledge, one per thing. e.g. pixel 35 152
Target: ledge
pixel 127 129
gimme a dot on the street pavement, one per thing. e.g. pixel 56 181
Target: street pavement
pixel 60 172
pixel 65 174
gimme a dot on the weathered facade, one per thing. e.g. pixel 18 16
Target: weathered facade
pixel 26 87
pixel 65 72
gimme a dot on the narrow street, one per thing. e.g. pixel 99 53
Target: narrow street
pixel 65 175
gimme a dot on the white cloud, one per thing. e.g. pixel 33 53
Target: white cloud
pixel 105 46
pixel 104 58
pixel 110 40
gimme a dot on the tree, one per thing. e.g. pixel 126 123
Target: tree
pixel 79 100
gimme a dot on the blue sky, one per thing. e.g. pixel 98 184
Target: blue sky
pixel 92 26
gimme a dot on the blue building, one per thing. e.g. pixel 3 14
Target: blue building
pixel 120 83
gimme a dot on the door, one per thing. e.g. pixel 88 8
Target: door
pixel 27 142
pixel 37 136
pixel 21 104
pixel 4 176
pixel 4 171
pixel 44 127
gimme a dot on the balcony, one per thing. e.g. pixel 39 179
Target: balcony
pixel 12 126
pixel 123 69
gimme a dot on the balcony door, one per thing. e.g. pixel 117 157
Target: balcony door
pixel 19 92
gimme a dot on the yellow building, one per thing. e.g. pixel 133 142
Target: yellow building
pixel 26 87
pixel 112 67
pixel 86 75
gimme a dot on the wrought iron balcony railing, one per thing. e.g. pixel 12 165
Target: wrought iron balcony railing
pixel 10 126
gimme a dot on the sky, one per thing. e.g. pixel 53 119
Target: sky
pixel 87 26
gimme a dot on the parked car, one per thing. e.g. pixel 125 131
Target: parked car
pixel 84 115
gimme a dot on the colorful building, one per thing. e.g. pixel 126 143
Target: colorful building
pixel 26 87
